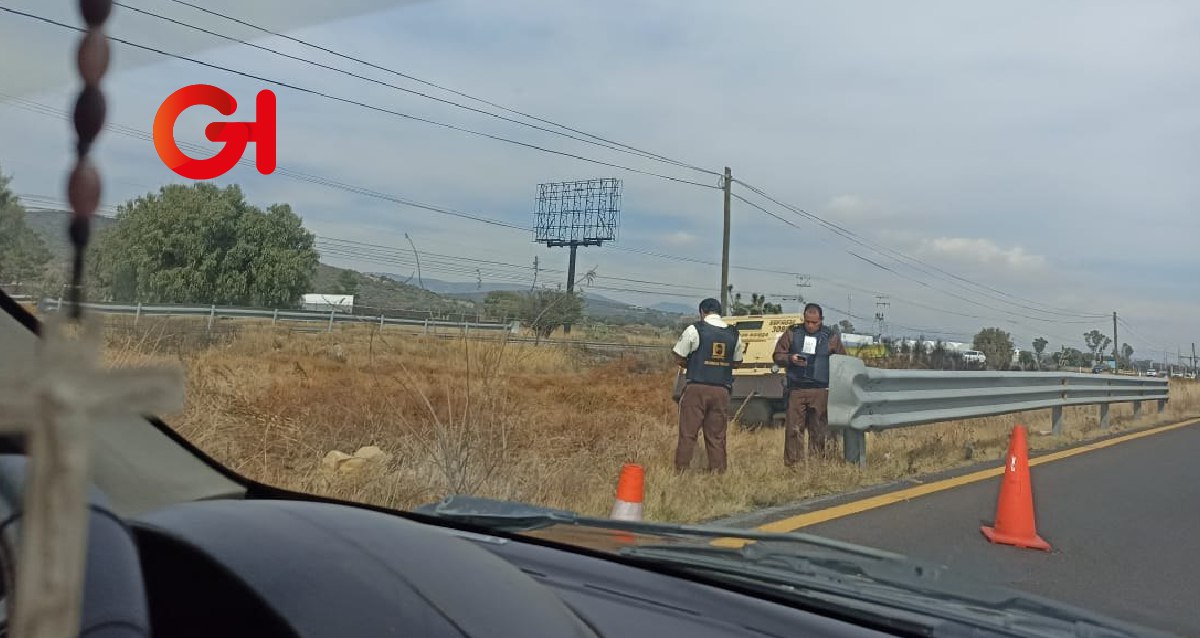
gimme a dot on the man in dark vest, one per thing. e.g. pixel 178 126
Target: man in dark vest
pixel 804 351
pixel 709 349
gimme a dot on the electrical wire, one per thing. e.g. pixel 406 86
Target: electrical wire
pixel 636 153
pixel 443 88
pixel 908 260
pixel 367 106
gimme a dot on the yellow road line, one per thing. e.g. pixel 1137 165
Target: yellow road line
pixel 793 523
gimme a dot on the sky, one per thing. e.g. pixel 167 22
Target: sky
pixel 1026 165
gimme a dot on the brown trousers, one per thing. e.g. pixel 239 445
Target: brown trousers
pixel 807 411
pixel 702 407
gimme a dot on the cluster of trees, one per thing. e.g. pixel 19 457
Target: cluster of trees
pixel 204 243
pixel 997 345
pixel 758 305
pixel 184 244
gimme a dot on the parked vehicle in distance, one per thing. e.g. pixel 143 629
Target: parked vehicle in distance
pixel 974 356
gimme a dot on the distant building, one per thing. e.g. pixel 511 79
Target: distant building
pixel 327 302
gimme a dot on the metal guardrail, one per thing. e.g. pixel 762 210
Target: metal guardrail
pixel 214 312
pixel 863 399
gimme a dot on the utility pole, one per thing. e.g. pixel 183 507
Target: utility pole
pixel 1193 357
pixel 881 304
pixel 801 282
pixel 1116 344
pixel 417 257
pixel 728 184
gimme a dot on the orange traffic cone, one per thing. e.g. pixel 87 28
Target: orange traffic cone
pixel 629 494
pixel 1014 512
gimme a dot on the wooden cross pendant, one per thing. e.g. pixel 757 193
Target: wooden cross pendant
pixel 55 395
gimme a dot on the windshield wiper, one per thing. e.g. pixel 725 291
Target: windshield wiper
pixel 885 588
pixel 506 516
pixel 906 592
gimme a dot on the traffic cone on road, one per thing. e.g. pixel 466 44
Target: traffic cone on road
pixel 1015 524
pixel 629 494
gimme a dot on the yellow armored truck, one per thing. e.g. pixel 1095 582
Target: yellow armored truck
pixel 758 383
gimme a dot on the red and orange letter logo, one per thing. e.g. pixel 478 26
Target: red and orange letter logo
pixel 235 135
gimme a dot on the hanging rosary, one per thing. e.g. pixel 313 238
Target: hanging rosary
pixel 60 393
pixel 83 186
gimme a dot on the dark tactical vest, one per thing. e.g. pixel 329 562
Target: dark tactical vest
pixel 712 362
pixel 816 373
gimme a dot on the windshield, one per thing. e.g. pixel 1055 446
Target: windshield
pixel 411 250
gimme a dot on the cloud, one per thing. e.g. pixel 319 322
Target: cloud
pixel 679 238
pixel 912 130
pixel 982 251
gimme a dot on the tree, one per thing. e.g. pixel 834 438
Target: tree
pixel 1070 357
pixel 1039 346
pixel 1026 359
pixel 204 244
pixel 348 282
pixel 845 326
pixel 758 305
pixel 1096 341
pixel 544 310
pixel 23 253
pixel 504 304
pixel 996 345
pixel 1126 354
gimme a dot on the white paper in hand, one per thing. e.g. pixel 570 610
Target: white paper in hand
pixel 810 345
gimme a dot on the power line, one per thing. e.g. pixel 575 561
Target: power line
pixel 495 275
pixel 371 107
pixel 406 76
pixel 619 149
pixel 131 132
pixel 359 190
pixel 902 258
pixel 368 248
pixel 913 279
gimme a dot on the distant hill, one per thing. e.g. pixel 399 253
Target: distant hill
pixel 52 226
pixel 677 308
pixel 375 292
pixel 596 307
pixel 457 287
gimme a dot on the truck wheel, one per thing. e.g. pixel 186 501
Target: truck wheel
pixel 757 413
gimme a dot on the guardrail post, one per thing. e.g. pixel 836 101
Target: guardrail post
pixel 1056 419
pixel 1162 405
pixel 1137 409
pixel 854 446
pixel 275 317
pixel 331 311
pixel 426 326
pixel 381 321
pixel 212 313
pixel 138 315
pixel 1104 416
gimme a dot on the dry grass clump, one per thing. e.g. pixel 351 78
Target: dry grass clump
pixel 548 424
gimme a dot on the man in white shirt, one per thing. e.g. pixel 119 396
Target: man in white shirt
pixel 709 350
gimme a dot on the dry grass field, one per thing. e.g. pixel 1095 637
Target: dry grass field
pixel 549 425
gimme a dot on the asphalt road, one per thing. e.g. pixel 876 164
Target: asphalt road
pixel 1123 522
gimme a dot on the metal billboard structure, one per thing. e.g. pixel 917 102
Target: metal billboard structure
pixel 580 213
